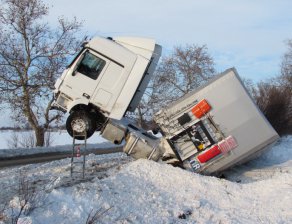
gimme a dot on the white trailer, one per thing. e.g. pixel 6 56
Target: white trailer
pixel 206 131
pixel 215 126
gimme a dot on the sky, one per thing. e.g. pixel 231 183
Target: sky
pixel 249 35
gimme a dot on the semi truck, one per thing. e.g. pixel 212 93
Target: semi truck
pixel 206 131
pixel 104 81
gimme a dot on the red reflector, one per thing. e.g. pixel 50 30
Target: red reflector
pixel 227 144
pixel 201 108
pixel 211 153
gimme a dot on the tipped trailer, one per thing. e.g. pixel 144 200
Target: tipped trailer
pixel 206 131
pixel 215 126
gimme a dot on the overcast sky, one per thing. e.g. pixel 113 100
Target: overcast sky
pixel 247 34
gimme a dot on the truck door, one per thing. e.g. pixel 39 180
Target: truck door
pixel 85 77
pixel 110 86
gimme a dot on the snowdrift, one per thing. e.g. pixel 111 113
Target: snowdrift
pixel 144 191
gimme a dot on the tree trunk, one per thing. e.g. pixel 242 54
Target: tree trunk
pixel 40 136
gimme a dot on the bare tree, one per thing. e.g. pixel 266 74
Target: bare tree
pixel 275 101
pixel 31 55
pixel 274 96
pixel 49 138
pixel 286 81
pixel 286 66
pixel 13 141
pixel 184 70
pixel 22 140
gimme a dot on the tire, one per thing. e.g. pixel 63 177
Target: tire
pixel 99 119
pixel 82 121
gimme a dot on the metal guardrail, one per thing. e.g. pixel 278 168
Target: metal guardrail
pixel 46 157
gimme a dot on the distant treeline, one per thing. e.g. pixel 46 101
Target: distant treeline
pixel 54 128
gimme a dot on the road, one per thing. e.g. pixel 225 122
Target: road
pixel 46 157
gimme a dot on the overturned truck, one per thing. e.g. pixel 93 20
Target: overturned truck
pixel 207 131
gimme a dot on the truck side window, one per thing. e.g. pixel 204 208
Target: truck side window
pixel 91 65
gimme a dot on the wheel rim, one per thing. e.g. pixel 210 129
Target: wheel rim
pixel 79 125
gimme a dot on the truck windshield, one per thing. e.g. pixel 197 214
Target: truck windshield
pixel 91 65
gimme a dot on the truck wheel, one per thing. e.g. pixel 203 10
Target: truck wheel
pixel 80 121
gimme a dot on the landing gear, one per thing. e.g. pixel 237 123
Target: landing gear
pixel 80 121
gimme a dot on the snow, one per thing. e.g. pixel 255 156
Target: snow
pixel 122 190
pixel 274 161
pixel 62 143
pixel 57 137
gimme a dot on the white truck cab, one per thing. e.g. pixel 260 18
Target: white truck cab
pixel 105 80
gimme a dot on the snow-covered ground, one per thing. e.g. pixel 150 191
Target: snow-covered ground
pixel 121 190
pixel 57 138
pixel 62 143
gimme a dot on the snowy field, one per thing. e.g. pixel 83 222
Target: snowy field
pixel 118 189
pixel 57 138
